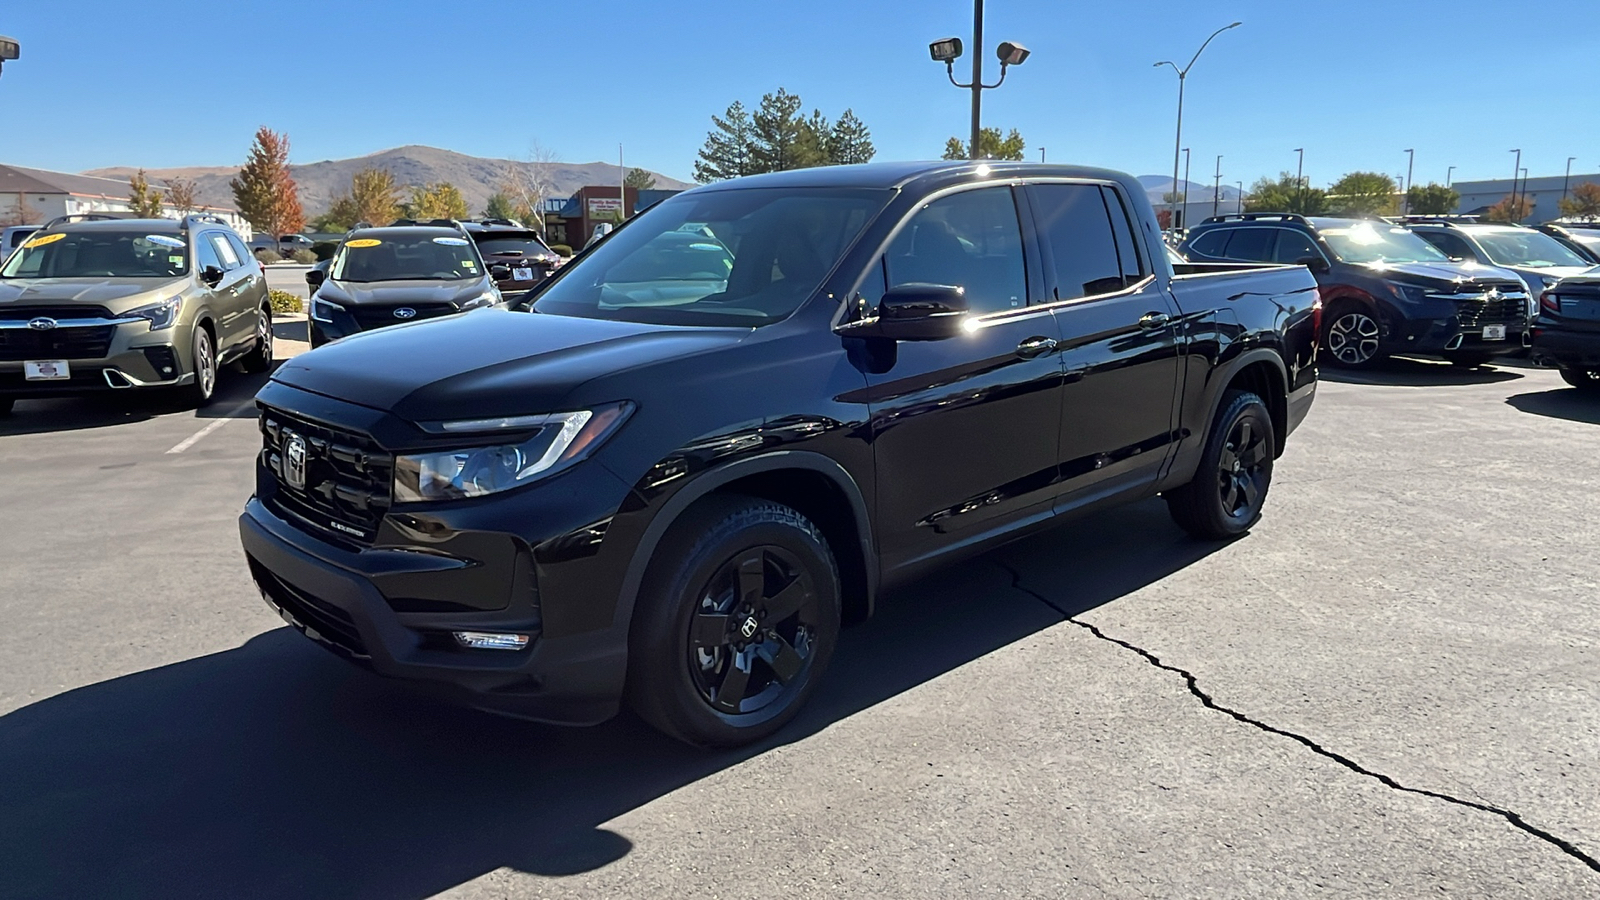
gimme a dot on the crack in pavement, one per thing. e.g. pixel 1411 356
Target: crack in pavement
pixel 1206 700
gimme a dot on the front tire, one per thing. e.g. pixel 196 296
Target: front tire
pixel 1350 336
pixel 1226 495
pixel 1584 379
pixel 737 620
pixel 205 369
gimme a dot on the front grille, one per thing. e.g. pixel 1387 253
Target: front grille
pixel 1509 306
pixel 63 342
pixel 319 619
pixel 59 313
pixel 348 477
pixel 369 317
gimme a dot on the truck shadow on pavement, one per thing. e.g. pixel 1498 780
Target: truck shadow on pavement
pixel 1397 371
pixel 1569 403
pixel 111 408
pixel 275 770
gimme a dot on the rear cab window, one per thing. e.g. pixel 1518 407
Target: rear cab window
pixel 1079 241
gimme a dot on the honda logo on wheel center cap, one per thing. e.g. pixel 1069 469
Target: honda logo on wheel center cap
pixel 748 629
pixel 405 312
pixel 43 323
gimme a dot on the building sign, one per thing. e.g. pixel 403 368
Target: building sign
pixel 604 207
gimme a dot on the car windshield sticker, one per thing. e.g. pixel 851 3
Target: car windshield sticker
pixel 163 240
pixel 175 260
pixel 454 242
pixel 363 242
pixel 41 240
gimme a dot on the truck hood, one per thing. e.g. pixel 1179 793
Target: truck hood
pixel 1442 275
pixel 387 293
pixel 115 294
pixel 488 363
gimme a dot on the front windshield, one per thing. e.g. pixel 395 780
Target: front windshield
pixel 512 245
pixel 99 254
pixel 1530 249
pixel 406 257
pixel 1376 242
pixel 737 257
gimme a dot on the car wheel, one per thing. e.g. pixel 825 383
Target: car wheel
pixel 1350 337
pixel 260 359
pixel 737 620
pixel 1585 380
pixel 205 369
pixel 1469 360
pixel 1225 497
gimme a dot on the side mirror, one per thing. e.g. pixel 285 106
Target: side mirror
pixel 315 277
pixel 499 272
pixel 211 275
pixel 1315 263
pixel 915 312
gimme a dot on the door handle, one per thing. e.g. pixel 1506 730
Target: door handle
pixel 1035 346
pixel 1153 320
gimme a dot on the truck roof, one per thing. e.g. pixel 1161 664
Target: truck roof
pixel 889 175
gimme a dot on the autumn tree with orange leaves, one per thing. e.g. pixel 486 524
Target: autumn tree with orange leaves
pixel 264 191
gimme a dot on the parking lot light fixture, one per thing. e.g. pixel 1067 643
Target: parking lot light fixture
pixel 949 50
pixel 946 51
pixel 1183 76
pixel 9 49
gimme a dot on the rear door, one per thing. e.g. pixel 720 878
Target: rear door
pixel 231 297
pixel 1119 344
pixel 965 430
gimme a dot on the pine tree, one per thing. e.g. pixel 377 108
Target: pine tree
pixel 500 206
pixel 639 180
pixel 727 151
pixel 990 146
pixel 143 202
pixel 776 130
pixel 264 191
pixel 850 141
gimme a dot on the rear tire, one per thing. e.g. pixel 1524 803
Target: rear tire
pixel 736 622
pixel 1226 495
pixel 199 393
pixel 1350 335
pixel 1584 379
pixel 260 359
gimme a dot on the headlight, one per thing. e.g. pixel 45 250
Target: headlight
pixel 561 440
pixel 160 315
pixel 487 298
pixel 1549 282
pixel 323 311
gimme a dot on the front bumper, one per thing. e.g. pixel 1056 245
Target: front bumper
pixel 1436 336
pixel 392 607
pixel 134 358
pixel 1563 347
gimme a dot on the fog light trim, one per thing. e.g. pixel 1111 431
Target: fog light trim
pixel 490 640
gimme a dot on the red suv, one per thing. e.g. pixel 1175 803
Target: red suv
pixel 521 250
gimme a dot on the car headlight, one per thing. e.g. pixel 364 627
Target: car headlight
pixel 1549 282
pixel 323 310
pixel 160 315
pixel 561 440
pixel 487 298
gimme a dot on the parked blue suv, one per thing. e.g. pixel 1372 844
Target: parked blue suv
pixel 1384 289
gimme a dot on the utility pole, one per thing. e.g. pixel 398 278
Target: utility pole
pixel 1566 178
pixel 1405 199
pixel 1241 198
pixel 622 188
pixel 1216 188
pixel 1299 188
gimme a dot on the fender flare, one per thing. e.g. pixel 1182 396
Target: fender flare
pixel 1233 367
pixel 708 482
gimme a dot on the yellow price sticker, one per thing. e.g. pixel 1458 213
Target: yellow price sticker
pixel 363 242
pixel 41 240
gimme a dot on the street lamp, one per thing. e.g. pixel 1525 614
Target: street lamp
pixel 1449 176
pixel 1516 169
pixel 9 49
pixel 948 51
pixel 1299 191
pixel 1183 75
pixel 1185 190
pixel 1216 189
pixel 1405 198
pixel 1566 178
pixel 1522 193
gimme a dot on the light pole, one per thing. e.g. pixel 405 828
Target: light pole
pixel 1241 198
pixel 1449 176
pixel 1216 188
pixel 1522 194
pixel 1041 154
pixel 1405 199
pixel 1566 178
pixel 948 51
pixel 1516 168
pixel 1185 190
pixel 1299 191
pixel 1183 75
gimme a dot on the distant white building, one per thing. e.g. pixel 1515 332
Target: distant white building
pixel 29 196
pixel 1543 192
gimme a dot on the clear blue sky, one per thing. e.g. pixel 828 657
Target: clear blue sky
pixel 1356 82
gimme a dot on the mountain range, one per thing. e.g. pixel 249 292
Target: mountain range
pixel 320 182
pixel 1158 186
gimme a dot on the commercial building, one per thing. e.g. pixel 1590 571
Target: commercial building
pixel 573 220
pixel 1543 192
pixel 35 196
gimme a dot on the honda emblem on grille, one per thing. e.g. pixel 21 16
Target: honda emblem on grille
pixel 405 312
pixel 294 460
pixel 43 323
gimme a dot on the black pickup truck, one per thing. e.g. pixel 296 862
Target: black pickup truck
pixel 699 456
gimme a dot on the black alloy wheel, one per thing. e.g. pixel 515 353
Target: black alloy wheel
pixel 1229 490
pixel 260 359
pixel 1351 336
pixel 1584 379
pixel 735 623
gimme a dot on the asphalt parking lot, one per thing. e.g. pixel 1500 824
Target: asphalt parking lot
pixel 1388 689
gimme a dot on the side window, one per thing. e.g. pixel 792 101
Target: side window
pixel 1250 244
pixel 206 253
pixel 230 259
pixel 1128 248
pixel 970 239
pixel 1451 244
pixel 1210 244
pixel 239 248
pixel 1074 224
pixel 1293 246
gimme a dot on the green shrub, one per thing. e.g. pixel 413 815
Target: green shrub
pixel 324 249
pixel 285 302
pixel 268 257
pixel 305 257
pixel 562 250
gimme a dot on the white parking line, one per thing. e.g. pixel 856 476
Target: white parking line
pixel 195 438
